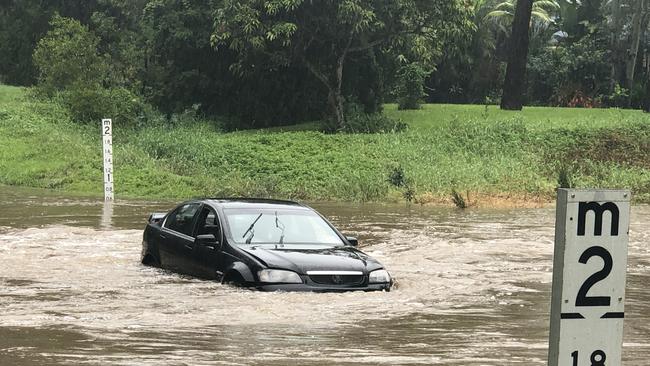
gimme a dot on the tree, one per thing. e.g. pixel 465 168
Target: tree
pixel 22 24
pixel 639 25
pixel 67 56
pixel 118 24
pixel 71 67
pixel 470 72
pixel 180 65
pixel 541 14
pixel 514 84
pixel 321 36
pixel 184 71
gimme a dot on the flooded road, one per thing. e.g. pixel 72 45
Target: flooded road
pixel 473 289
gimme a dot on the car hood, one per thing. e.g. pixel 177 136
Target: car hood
pixel 323 259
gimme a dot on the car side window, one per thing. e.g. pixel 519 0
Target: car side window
pixel 208 223
pixel 182 218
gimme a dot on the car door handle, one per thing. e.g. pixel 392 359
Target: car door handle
pixel 163 236
pixel 211 247
pixel 187 246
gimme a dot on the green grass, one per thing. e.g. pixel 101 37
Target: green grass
pixel 433 116
pixel 510 155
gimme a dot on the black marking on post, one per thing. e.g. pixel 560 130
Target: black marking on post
pixel 582 299
pixel 571 316
pixel 613 315
pixel 598 209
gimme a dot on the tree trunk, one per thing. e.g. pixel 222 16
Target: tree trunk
pixel 334 85
pixel 615 45
pixel 634 46
pixel 646 98
pixel 338 92
pixel 514 85
pixel 645 102
pixel 335 101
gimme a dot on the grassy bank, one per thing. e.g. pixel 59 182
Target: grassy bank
pixel 488 154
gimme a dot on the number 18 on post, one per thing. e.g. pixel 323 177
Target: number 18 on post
pixel 589 268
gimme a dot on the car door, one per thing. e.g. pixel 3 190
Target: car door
pixel 176 238
pixel 207 256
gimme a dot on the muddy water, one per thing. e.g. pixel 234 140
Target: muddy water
pixel 474 289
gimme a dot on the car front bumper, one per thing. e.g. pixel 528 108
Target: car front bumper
pixel 297 287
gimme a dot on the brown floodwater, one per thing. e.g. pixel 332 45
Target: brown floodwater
pixel 473 289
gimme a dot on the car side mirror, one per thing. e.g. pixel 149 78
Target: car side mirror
pixel 352 240
pixel 209 241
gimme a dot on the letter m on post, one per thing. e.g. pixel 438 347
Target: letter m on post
pixel 598 210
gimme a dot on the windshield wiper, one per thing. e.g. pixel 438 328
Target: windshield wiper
pixel 250 230
pixel 277 224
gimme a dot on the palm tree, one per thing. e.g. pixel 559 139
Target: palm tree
pixel 541 17
pixel 485 38
pixel 513 84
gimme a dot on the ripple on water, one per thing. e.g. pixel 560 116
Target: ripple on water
pixel 473 289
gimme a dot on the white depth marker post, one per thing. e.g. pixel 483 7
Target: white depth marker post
pixel 589 268
pixel 107 137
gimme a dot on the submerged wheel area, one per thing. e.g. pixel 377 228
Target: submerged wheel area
pixel 150 260
pixel 233 278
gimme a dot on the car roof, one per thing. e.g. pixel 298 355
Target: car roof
pixel 254 203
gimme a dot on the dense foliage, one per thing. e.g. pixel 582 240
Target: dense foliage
pixel 582 53
pixel 264 63
pixel 257 63
pixel 486 156
pixel 324 36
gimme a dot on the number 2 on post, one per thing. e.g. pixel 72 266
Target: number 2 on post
pixel 582 299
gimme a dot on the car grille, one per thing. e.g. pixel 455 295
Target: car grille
pixel 337 280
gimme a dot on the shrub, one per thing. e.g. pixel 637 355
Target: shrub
pixel 547 70
pixel 87 104
pixel 569 76
pixel 409 88
pixel 125 107
pixel 564 179
pixel 638 94
pixel 396 176
pixel 358 121
pixel 572 97
pixel 619 97
pixel 458 199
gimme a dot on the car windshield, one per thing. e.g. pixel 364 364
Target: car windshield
pixel 267 226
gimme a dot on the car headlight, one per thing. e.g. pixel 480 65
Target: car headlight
pixel 278 276
pixel 379 276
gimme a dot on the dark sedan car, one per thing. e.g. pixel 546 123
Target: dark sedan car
pixel 264 244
